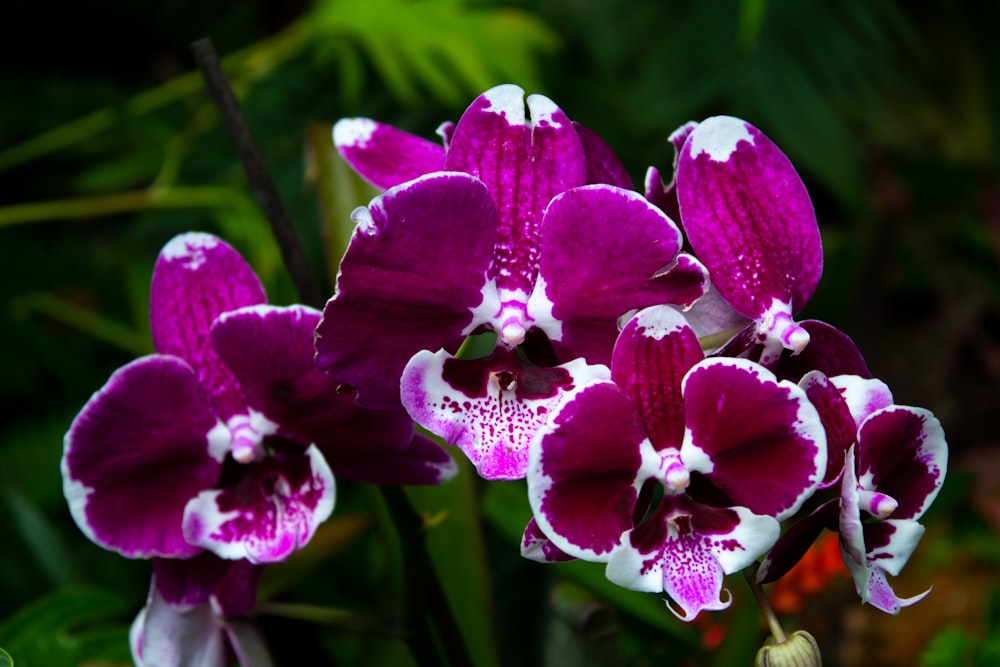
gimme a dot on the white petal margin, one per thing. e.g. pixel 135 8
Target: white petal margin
pixel 494 431
pixel 286 526
pixel 719 137
pixel 863 396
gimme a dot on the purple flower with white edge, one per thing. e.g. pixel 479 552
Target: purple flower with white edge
pixel 893 461
pixel 526 232
pixel 224 439
pixel 749 219
pixel 734 449
pixel 195 615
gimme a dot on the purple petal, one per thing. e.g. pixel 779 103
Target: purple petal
pixel 750 220
pixel 654 352
pixel 490 407
pixel 144 445
pixel 606 251
pixel 795 542
pixel 270 350
pixel 270 513
pixel 759 440
pixel 863 396
pixel 536 546
pixel 197 278
pixel 841 429
pixel 660 193
pixel 583 476
pixel 830 351
pixel 902 453
pixel 603 166
pixel 524 164
pixel 189 581
pixel 412 279
pixel 684 549
pixel 383 155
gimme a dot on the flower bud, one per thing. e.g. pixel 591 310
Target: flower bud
pixel 800 650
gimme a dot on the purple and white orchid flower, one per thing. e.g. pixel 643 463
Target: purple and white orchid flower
pixel 228 437
pixel 749 219
pixel 523 226
pixel 733 448
pixel 891 461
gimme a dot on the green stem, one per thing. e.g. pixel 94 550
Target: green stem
pixel 424 589
pixel 84 320
pixel 122 202
pixel 760 596
pixel 339 619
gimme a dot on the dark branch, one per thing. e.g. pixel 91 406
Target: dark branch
pixel 257 173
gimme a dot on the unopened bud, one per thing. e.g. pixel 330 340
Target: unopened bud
pixel 799 650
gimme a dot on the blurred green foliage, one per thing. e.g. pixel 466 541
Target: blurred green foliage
pixel 109 146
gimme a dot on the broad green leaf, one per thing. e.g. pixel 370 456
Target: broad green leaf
pixel 71 626
pixel 5 659
pixel 455 544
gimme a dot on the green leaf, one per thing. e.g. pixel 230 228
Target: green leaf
pixel 69 627
pixel 403 40
pixel 5 660
pixel 455 544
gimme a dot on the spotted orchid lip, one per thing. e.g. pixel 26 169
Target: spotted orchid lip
pixel 666 411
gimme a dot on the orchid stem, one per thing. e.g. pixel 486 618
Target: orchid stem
pixel 261 182
pixel 777 632
pixel 424 590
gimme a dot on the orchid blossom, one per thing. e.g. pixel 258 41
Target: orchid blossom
pixel 891 461
pixel 734 449
pixel 226 439
pixel 749 219
pixel 525 227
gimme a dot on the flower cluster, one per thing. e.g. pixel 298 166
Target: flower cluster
pixel 666 408
pixel 672 467
pixel 222 447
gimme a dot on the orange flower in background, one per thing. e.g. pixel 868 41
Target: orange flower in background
pixel 821 564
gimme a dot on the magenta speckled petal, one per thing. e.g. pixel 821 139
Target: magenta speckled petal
pixel 198 277
pixel 902 453
pixel 536 546
pixel 270 513
pixel 144 445
pixel 412 279
pixel 583 476
pixel 684 549
pixel 605 251
pixel 654 352
pixel 383 155
pixel 270 350
pixel 740 421
pixel 490 407
pixel 750 221
pixel 603 166
pixel 524 164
